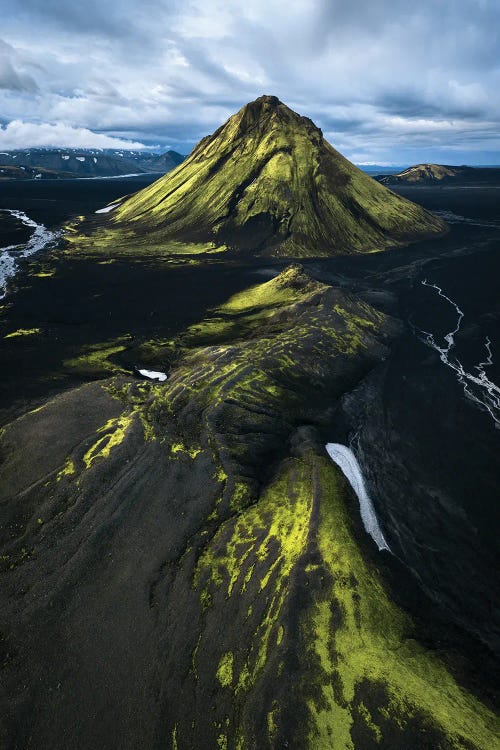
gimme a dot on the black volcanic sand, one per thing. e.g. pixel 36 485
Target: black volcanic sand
pixel 110 654
pixel 52 202
pixel 12 230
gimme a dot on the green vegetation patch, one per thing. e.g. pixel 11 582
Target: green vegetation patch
pixel 96 358
pixel 114 432
pixel 23 332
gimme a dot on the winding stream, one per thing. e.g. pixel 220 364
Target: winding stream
pixel 476 384
pixel 41 237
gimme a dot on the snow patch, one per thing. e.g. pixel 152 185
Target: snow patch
pixel 118 176
pixel 153 375
pixel 107 209
pixel 348 463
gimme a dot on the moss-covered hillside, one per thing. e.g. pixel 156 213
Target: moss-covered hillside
pixel 266 182
pixel 184 567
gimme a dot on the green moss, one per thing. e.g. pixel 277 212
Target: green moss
pixel 205 600
pixel 272 721
pixel 115 430
pixel 23 332
pixel 180 448
pixel 96 358
pixel 225 669
pixel 368 720
pixel 125 242
pixel 137 396
pixel 272 534
pixel 288 287
pixel 220 475
pixel 67 470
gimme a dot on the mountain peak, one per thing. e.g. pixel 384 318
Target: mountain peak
pixel 268 110
pixel 266 100
pixel 267 182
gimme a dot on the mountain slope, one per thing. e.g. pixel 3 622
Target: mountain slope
pixel 9 172
pixel 60 162
pixel 268 182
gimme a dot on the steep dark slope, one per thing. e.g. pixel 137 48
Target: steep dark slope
pixel 265 182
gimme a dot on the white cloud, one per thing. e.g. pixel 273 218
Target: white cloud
pixel 20 134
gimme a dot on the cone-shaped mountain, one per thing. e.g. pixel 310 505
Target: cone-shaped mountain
pixel 268 182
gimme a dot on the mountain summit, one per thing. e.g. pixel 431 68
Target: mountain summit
pixel 267 182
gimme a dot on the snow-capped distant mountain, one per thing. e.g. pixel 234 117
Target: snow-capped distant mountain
pixel 41 163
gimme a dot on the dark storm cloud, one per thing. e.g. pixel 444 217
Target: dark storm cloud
pixel 79 17
pixel 385 79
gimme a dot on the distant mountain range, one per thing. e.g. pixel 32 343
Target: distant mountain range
pixel 431 174
pixel 59 163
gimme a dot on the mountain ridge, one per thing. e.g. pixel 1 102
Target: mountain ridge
pixel 429 173
pixel 65 163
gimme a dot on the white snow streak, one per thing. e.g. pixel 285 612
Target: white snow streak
pixel 107 209
pixel 348 463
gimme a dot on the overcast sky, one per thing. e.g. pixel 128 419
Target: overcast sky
pixel 389 81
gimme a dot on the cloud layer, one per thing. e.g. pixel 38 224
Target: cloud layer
pixel 19 135
pixel 387 81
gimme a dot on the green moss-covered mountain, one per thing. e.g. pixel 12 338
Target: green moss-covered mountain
pixel 266 182
pixel 422 173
